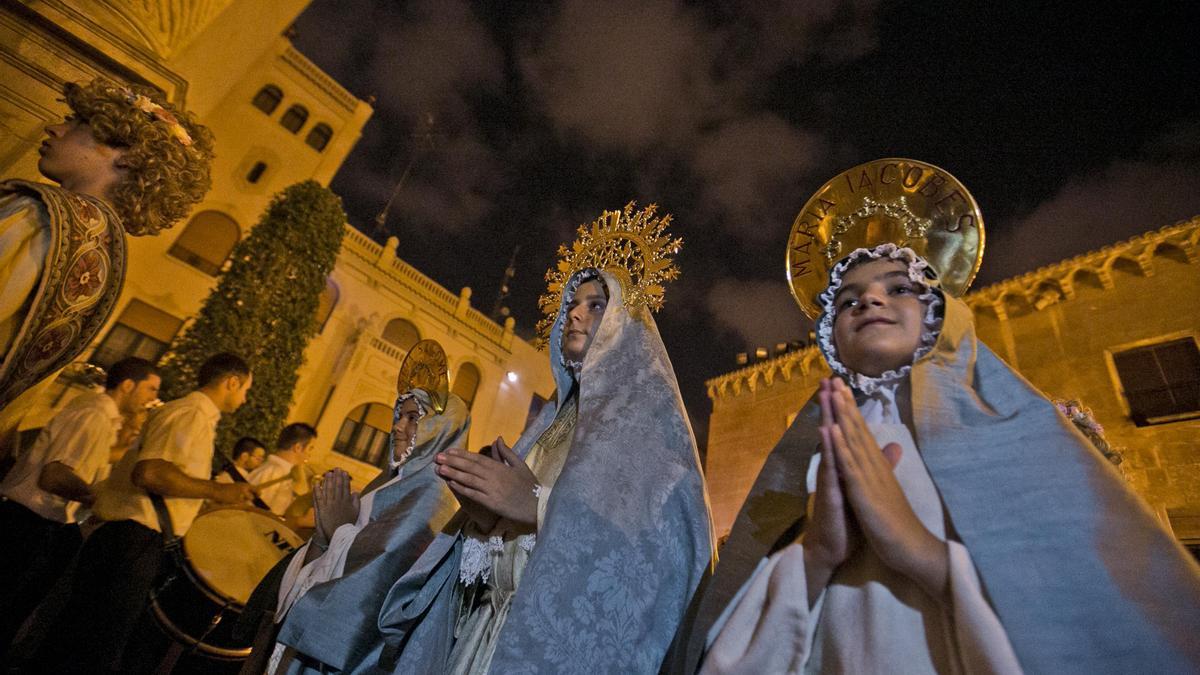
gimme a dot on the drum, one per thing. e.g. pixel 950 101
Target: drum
pixel 225 554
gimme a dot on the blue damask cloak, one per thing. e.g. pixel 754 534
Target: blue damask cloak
pixel 1080 573
pixel 335 621
pixel 626 536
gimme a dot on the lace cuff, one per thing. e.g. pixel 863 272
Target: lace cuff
pixel 476 563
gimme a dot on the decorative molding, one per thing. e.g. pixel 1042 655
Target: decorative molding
pixel 764 373
pixel 323 82
pixel 410 279
pixel 1050 285
pixel 1032 291
pixel 163 26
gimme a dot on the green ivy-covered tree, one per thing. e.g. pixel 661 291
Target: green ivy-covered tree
pixel 264 308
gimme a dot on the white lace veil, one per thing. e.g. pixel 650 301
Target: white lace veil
pixel 920 273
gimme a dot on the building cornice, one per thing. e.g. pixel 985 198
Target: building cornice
pixel 1049 285
pixel 782 367
pixel 319 79
pixel 456 309
pixel 1032 291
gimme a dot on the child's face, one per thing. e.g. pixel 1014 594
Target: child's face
pixel 878 321
pixel 70 155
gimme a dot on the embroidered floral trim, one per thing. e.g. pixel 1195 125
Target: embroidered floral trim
pixel 527 542
pixel 476 563
pixel 919 273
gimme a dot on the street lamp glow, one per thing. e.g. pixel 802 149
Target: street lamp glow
pixel 512 377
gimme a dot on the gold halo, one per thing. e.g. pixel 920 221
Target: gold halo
pixel 426 368
pixel 903 201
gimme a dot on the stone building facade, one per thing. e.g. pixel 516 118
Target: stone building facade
pixel 278 119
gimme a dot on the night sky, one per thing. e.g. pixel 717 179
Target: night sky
pixel 1074 126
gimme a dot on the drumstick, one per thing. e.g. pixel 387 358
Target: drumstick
pixel 275 481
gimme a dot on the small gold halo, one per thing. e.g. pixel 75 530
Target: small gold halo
pixel 426 368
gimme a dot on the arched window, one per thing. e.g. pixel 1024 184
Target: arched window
pixel 466 383
pixel 294 118
pixel 267 99
pixel 326 303
pixel 364 434
pixel 255 173
pixel 401 333
pixel 318 137
pixel 141 330
pixel 206 241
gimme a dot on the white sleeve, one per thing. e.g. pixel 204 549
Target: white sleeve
pixel 983 645
pixel 299 578
pixel 82 444
pixel 770 628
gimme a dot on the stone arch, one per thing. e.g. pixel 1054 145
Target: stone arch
pixel 1048 292
pixel 206 241
pixel 1086 277
pixel 1127 265
pixel 467 379
pixel 401 333
pixel 1171 251
pixel 363 432
pixel 1016 303
pixel 327 302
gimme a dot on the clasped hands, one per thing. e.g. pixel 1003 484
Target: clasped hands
pixel 859 499
pixel 335 505
pixel 491 485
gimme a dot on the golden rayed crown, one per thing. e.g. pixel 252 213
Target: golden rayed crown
pixel 632 246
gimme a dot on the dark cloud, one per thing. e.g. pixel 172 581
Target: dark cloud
pixel 626 75
pixel 762 313
pixel 750 167
pixel 1089 212
pixel 1072 129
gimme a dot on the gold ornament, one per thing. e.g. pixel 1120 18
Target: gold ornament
pixel 902 201
pixel 632 246
pixel 425 368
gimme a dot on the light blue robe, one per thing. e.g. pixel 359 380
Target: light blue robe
pixel 1080 573
pixel 626 536
pixel 335 622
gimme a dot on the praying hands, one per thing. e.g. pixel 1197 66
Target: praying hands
pixel 500 485
pixel 859 499
pixel 334 503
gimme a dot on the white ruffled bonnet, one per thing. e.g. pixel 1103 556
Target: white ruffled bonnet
pixel 920 273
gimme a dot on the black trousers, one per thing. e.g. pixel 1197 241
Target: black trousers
pixel 35 553
pixel 115 572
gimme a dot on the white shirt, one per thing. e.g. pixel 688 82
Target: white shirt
pixel 279 495
pixel 79 437
pixel 181 432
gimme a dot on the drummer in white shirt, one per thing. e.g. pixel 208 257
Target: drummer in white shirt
pixel 41 497
pixel 117 566
pixel 248 454
pixel 281 478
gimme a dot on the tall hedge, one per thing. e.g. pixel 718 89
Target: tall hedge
pixel 264 308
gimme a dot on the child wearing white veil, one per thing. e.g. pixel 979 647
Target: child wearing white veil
pixel 929 511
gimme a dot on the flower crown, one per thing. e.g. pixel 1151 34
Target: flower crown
pixel 633 246
pixel 159 113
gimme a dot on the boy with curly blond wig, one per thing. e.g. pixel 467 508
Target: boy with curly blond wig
pixel 125 161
